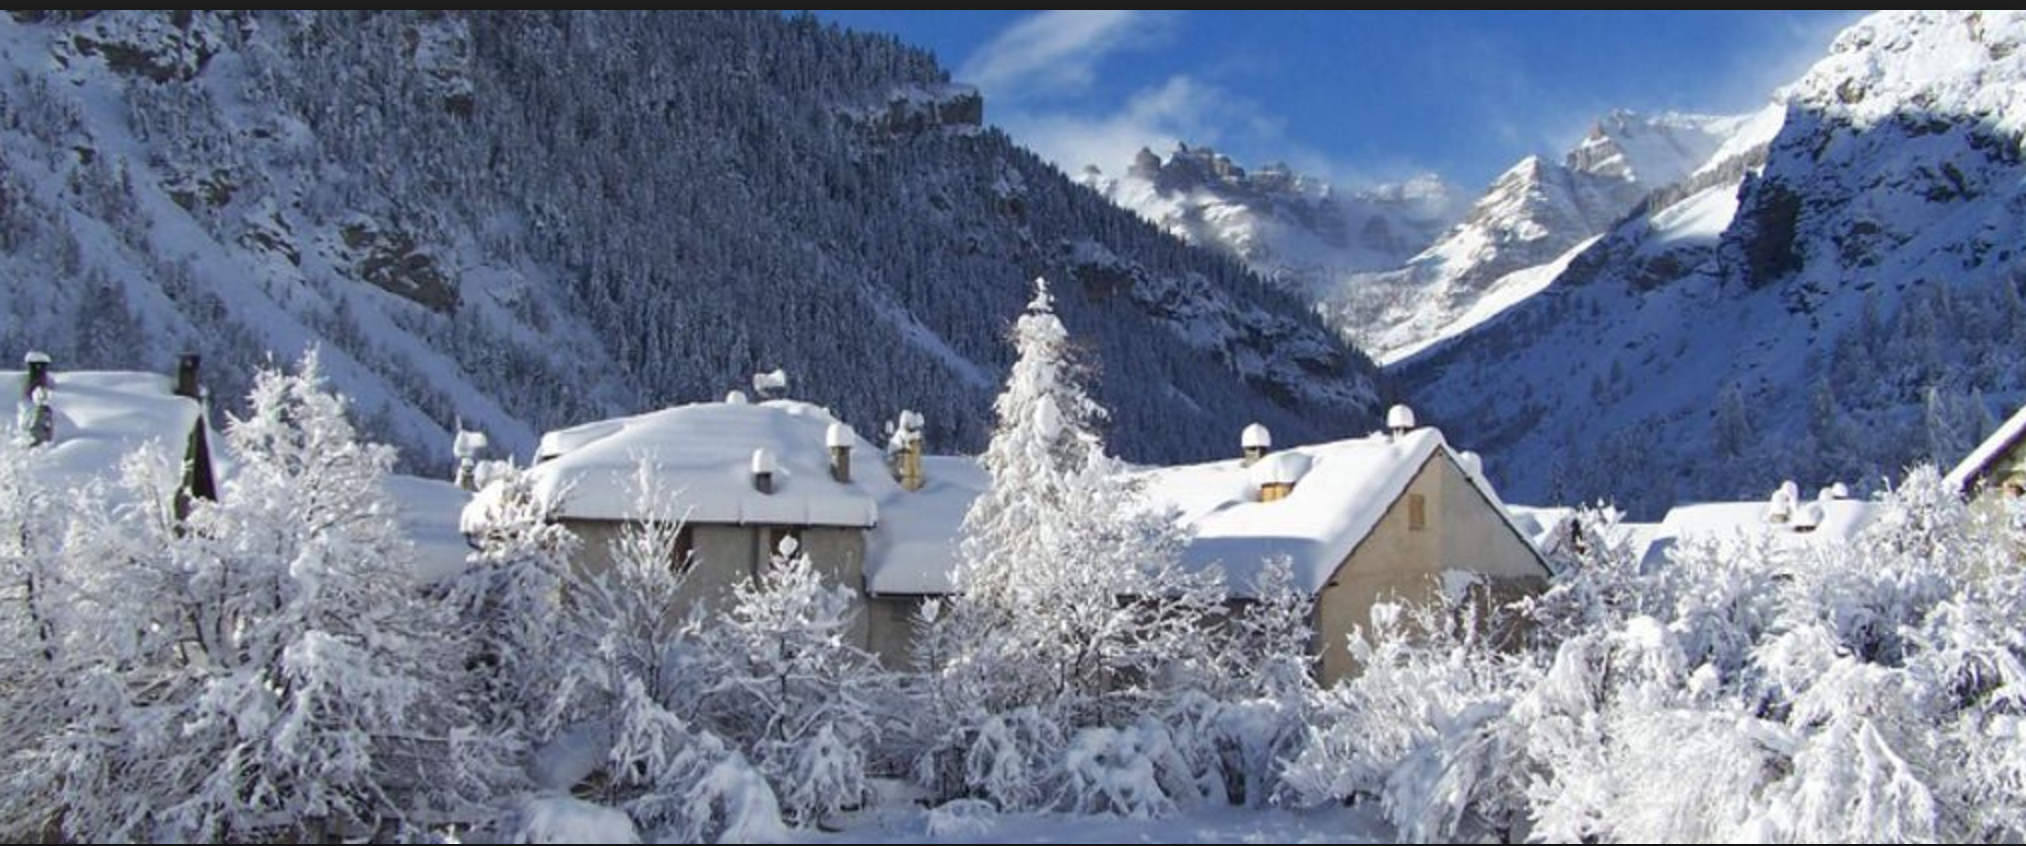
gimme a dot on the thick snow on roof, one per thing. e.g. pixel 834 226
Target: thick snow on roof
pixel 914 551
pixel 1841 520
pixel 428 512
pixel 704 457
pixel 1342 492
pixel 1979 460
pixel 102 416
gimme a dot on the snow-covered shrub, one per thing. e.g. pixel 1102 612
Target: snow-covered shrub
pixel 1117 771
pixel 1011 757
pixel 785 682
pixel 1423 727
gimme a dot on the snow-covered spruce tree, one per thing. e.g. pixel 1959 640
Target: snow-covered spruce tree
pixel 290 679
pixel 1073 604
pixel 616 721
pixel 787 684
pixel 510 597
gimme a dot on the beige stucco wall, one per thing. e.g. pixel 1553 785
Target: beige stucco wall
pixel 1464 531
pixel 724 556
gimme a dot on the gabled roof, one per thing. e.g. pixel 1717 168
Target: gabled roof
pixel 1978 463
pixel 103 416
pixel 1341 491
pixel 704 458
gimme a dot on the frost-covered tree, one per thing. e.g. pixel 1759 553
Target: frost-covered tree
pixel 1072 594
pixel 510 597
pixel 269 668
pixel 786 682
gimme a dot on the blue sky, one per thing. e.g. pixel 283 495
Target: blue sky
pixel 1354 96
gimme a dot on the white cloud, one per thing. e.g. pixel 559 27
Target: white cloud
pixel 1042 75
pixel 1057 51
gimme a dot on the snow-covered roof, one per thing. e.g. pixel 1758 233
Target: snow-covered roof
pixel 102 416
pixel 1837 521
pixel 1342 490
pixel 705 455
pixel 428 512
pixel 1974 466
pixel 914 551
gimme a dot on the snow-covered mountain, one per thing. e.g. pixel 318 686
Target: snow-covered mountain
pixel 1292 228
pixel 530 220
pixel 1831 304
pixel 1397 267
pixel 1509 243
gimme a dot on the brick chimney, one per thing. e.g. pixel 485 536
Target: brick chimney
pixel 905 450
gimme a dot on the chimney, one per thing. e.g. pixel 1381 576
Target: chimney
pixel 839 439
pixel 1255 442
pixel 764 468
pixel 468 447
pixel 905 449
pixel 1275 476
pixel 1399 421
pixel 772 385
pixel 41 418
pixel 187 383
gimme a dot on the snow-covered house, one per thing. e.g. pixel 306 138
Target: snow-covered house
pixel 1785 521
pixel 88 422
pixel 1392 515
pixel 739 476
pixel 1996 469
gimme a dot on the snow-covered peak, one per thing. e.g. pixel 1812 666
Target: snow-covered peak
pixel 1654 151
pixel 1953 62
pixel 1293 228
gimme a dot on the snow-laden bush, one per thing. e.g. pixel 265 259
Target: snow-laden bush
pixel 783 680
pixel 1740 691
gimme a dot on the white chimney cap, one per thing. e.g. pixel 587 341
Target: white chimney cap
pixel 763 461
pixel 1836 490
pixel 1256 436
pixel 838 435
pixel 469 444
pixel 773 381
pixel 1400 418
pixel 736 398
pixel 36 357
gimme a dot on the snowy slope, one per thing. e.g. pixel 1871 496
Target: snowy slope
pixel 1850 304
pixel 670 204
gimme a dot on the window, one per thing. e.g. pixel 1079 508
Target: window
pixel 1417 512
